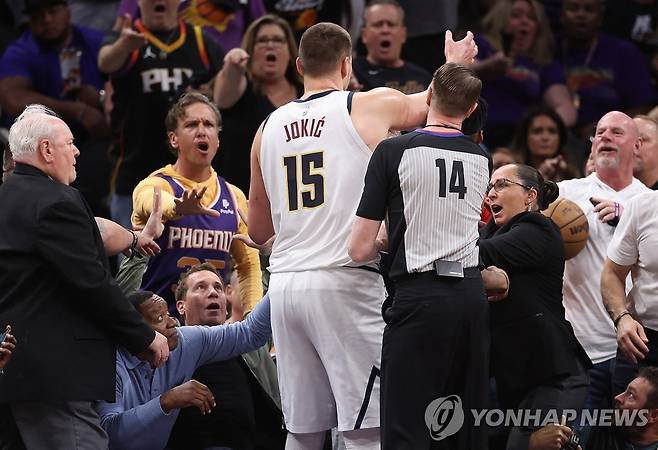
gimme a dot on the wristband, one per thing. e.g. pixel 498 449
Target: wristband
pixel 616 321
pixel 133 246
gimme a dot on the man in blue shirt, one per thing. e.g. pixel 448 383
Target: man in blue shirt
pixel 148 400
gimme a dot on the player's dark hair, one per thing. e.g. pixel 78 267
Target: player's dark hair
pixel 323 47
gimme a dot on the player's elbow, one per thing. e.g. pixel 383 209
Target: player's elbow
pixel 358 252
pixel 259 235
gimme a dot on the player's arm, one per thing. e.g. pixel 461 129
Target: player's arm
pixel 383 109
pixel 247 261
pixel 365 244
pixel 260 216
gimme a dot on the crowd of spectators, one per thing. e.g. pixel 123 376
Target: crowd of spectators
pixel 552 71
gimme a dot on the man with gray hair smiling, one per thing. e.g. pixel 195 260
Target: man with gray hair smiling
pixel 56 289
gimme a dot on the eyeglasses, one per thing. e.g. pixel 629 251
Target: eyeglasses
pixel 273 41
pixel 502 183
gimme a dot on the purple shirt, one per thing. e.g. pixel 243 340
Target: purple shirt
pixel 226 29
pixel 616 78
pixel 27 58
pixel 523 85
pixel 192 240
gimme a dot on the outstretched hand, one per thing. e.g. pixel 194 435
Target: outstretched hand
pixel 463 51
pixel 131 39
pixel 189 204
pixel 146 244
pixel 264 249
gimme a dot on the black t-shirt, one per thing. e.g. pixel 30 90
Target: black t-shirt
pixel 430 187
pixel 241 122
pixel 409 78
pixel 633 21
pixel 232 423
pixel 144 90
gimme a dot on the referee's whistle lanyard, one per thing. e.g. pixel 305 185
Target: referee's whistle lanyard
pixel 443 125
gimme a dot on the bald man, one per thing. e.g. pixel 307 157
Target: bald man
pixel 615 142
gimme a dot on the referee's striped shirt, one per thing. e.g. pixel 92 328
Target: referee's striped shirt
pixel 429 187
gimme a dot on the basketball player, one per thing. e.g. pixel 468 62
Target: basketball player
pixel 199 227
pixel 308 162
pixel 430 185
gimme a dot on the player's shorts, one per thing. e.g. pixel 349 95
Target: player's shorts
pixel 327 330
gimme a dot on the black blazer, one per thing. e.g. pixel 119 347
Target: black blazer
pixel 56 291
pixel 531 341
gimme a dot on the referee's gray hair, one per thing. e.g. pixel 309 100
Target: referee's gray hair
pixel 29 128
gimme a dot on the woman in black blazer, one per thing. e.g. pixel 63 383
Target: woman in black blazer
pixel 536 360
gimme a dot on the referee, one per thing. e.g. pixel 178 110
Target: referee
pixel 429 185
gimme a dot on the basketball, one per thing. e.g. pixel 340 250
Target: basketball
pixel 573 225
pixel 212 13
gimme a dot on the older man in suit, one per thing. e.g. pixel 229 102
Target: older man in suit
pixel 55 288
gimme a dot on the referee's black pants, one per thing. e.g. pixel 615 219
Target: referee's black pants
pixel 435 345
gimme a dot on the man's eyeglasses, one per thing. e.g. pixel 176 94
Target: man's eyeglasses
pixel 502 183
pixel 273 41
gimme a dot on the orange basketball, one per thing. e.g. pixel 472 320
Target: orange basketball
pixel 573 225
pixel 210 12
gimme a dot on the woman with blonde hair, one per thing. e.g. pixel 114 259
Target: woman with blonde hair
pixel 516 64
pixel 255 80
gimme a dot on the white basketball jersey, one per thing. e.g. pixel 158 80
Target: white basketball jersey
pixel 313 163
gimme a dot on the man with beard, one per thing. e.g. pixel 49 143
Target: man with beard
pixel 601 196
pixel 54 64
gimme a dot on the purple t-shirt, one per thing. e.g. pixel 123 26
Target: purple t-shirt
pixel 50 70
pixel 616 78
pixel 226 28
pixel 523 85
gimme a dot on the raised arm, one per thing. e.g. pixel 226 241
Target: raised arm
pixel 231 81
pixel 226 341
pixel 113 57
pixel 117 239
pixel 380 110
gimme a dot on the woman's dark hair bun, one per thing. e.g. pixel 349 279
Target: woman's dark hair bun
pixel 550 192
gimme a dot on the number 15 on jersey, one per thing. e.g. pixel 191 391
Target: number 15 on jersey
pixel 304 180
